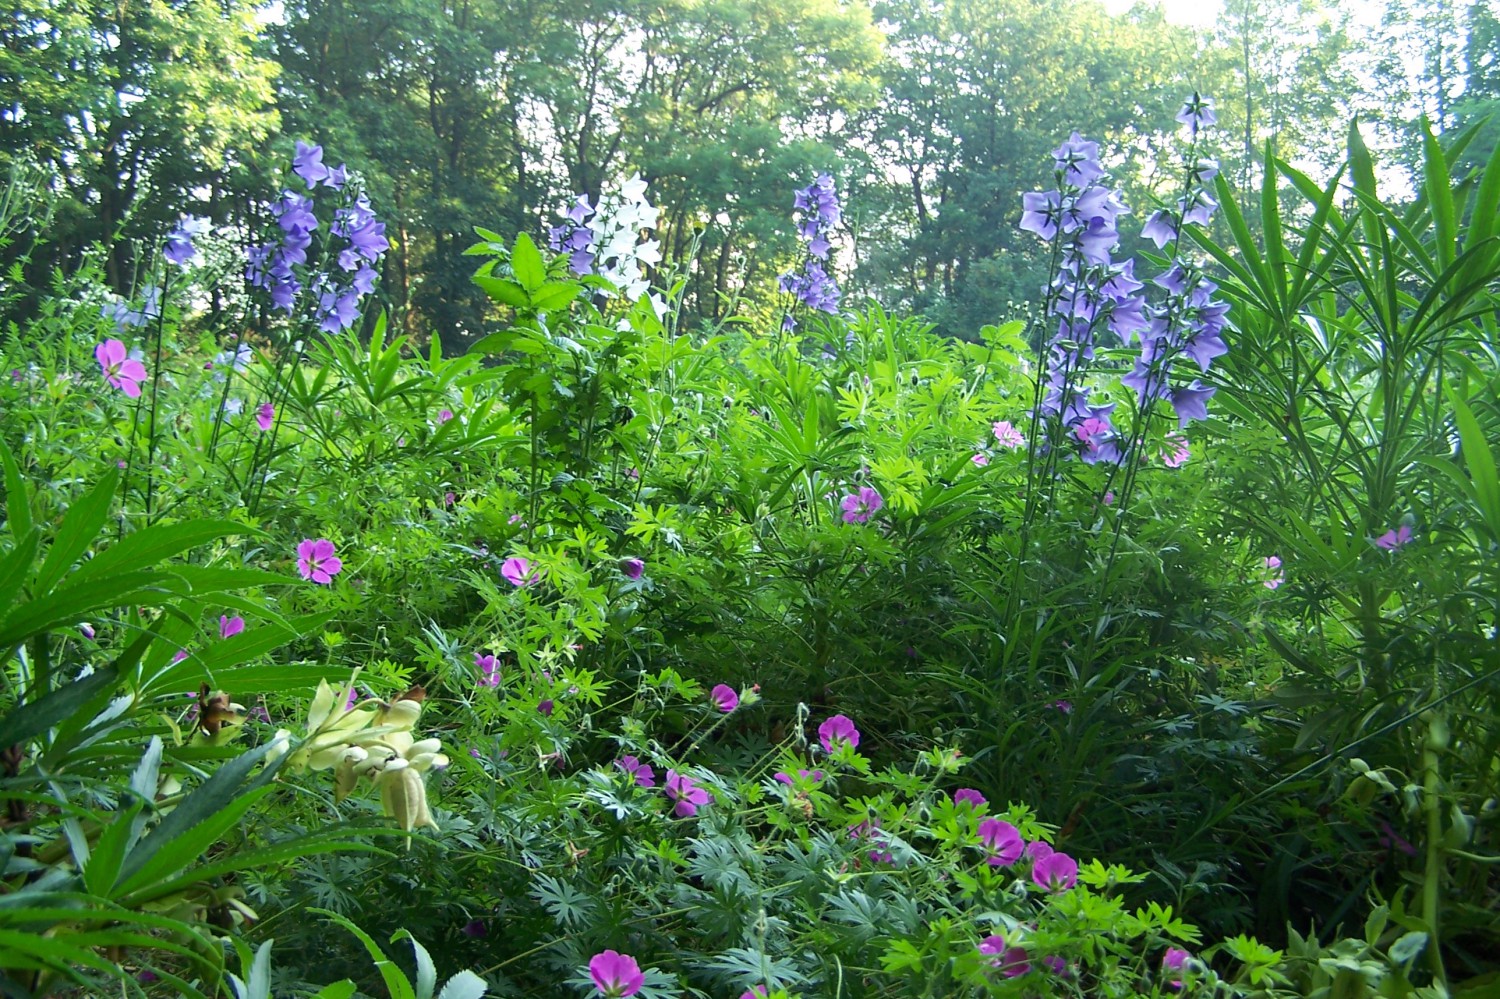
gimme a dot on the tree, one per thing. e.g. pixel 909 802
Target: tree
pixel 139 109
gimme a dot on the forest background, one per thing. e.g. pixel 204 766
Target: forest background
pixel 931 115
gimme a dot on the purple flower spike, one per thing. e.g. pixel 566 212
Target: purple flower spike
pixel 1056 872
pixel 317 561
pixel 686 795
pixel 617 975
pixel 724 698
pixel 837 731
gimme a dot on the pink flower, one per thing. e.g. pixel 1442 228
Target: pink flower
pixel 265 417
pixel 518 572
pixel 1275 578
pixel 642 773
pixel 123 372
pixel 1063 707
pixel 1177 451
pixel 724 698
pixel 1174 960
pixel 836 730
pixel 179 656
pixel 316 560
pixel 686 794
pixel 816 776
pixel 1109 498
pixel 1395 538
pixel 860 506
pixel 449 498
pixel 230 626
pixel 617 975
pixel 980 459
pixel 444 415
pixel 546 707
pixel 85 629
pixel 973 797
pixel 632 567
pixel 1003 840
pixel 1011 961
pixel 489 669
pixel 759 992
pixel 1038 850
pixel 1008 436
pixel 1055 872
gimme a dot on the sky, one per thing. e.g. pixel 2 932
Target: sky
pixel 1200 13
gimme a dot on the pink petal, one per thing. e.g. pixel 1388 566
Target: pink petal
pixel 131 389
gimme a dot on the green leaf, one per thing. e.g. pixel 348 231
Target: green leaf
pixel 196 822
pixel 1438 183
pixel 395 981
pixel 30 720
pixel 464 985
pixel 1408 946
pixel 17 496
pixel 80 528
pixel 526 263
pixel 16 567
pixel 152 545
pixel 338 990
pixel 426 972
pixel 555 296
pixel 503 291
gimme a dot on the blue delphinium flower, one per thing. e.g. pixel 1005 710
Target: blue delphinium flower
pixel 356 240
pixel 813 286
pixel 179 248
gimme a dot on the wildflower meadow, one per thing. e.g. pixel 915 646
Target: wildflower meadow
pixel 619 594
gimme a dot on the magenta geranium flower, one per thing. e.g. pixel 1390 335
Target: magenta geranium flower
pixel 836 730
pixel 230 626
pixel 1036 851
pixel 640 772
pixel 1274 577
pixel 860 506
pixel 1011 961
pixel 617 975
pixel 632 567
pixel 265 416
pixel 444 415
pixel 1055 872
pixel 973 797
pixel 685 794
pixel 1177 451
pixel 489 669
pixel 1389 541
pixel 724 698
pixel 518 571
pixel 1003 840
pixel 759 992
pixel 1174 960
pixel 786 778
pixel 1008 436
pixel 981 459
pixel 317 561
pixel 120 370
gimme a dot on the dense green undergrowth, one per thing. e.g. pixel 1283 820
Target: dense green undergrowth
pixel 614 636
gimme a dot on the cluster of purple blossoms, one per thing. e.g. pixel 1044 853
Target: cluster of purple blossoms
pixel 118 310
pixel 179 248
pixel 274 266
pixel 605 239
pixel 813 286
pixel 1093 294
